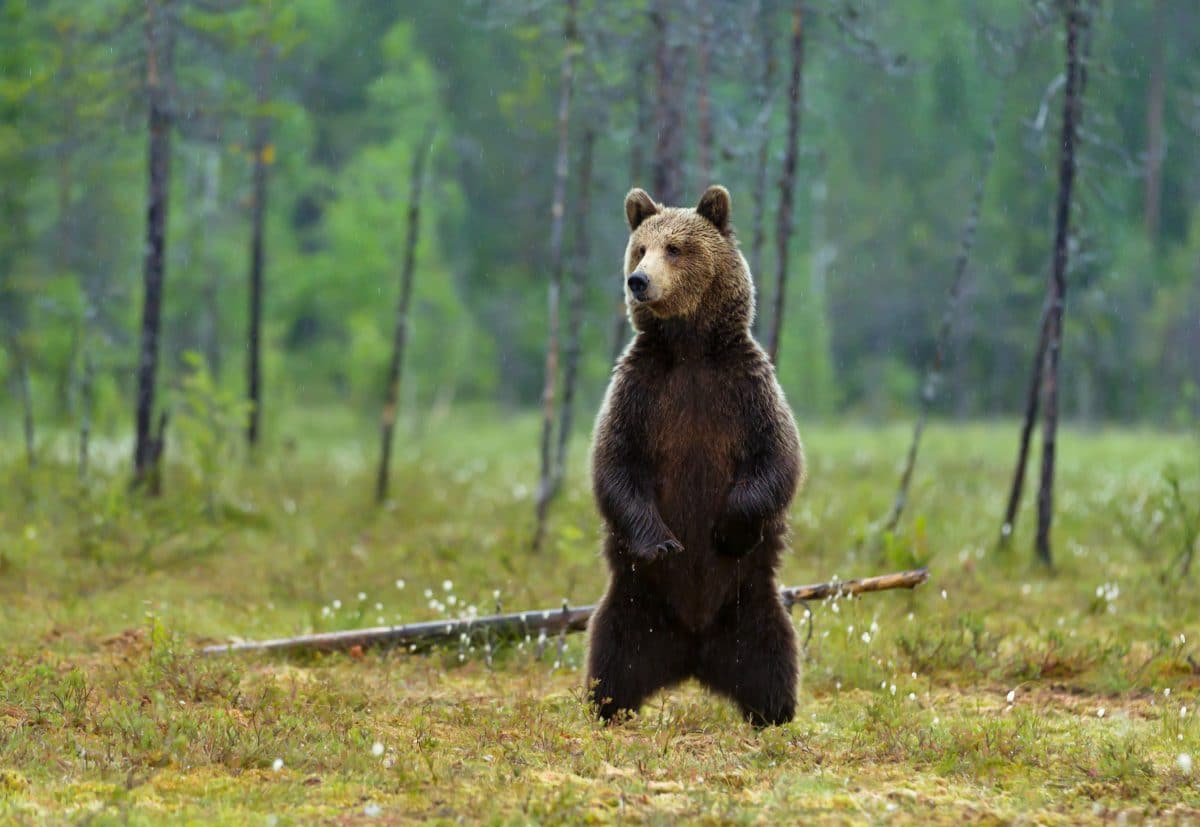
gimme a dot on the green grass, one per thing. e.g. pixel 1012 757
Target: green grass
pixel 108 715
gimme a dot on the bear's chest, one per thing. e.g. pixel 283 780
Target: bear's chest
pixel 695 432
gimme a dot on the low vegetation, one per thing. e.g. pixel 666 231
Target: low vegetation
pixel 997 690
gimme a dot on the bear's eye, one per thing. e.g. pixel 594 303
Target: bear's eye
pixel 640 254
pixel 673 249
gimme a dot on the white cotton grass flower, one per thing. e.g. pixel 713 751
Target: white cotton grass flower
pixel 372 810
pixel 1011 696
pixel 277 764
pixel 337 604
pixel 447 585
pixel 362 596
pixel 1167 692
pixel 866 638
pixel 400 583
pixel 1185 763
pixel 1100 712
pixel 377 749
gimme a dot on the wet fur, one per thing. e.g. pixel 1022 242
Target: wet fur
pixel 695 462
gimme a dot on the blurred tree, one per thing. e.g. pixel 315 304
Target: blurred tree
pixel 548 482
pixel 787 179
pixel 1078 25
pixel 400 336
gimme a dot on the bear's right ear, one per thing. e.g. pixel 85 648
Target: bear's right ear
pixel 638 207
pixel 714 205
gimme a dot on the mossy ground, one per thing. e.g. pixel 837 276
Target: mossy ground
pixel 108 715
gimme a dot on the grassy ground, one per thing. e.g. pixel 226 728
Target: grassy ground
pixel 996 692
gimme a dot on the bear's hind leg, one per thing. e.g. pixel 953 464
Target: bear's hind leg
pixel 753 660
pixel 632 654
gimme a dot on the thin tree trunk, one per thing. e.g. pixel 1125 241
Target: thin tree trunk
pixel 212 279
pixel 575 303
pixel 766 101
pixel 395 372
pixel 669 146
pixel 257 212
pixel 620 329
pixel 1072 106
pixel 1032 400
pixel 66 224
pixel 546 489
pixel 933 376
pixel 704 127
pixel 23 387
pixel 1154 124
pixel 787 182
pixel 86 384
pixel 158 84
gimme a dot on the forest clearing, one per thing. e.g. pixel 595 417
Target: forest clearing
pixel 321 317
pixel 993 691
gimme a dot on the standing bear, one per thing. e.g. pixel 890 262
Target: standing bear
pixel 696 459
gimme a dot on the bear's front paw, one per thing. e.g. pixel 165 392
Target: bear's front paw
pixel 652 552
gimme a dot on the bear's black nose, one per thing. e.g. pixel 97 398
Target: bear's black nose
pixel 638 284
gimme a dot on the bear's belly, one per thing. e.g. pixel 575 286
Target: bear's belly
pixel 693 481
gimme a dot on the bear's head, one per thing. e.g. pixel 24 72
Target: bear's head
pixel 684 264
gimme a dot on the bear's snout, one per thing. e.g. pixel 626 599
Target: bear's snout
pixel 638 283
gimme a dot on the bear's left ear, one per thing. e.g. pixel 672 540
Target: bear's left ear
pixel 714 205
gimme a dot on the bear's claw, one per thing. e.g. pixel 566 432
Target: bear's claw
pixel 658 551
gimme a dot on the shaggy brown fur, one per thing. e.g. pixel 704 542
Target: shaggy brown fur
pixel 695 462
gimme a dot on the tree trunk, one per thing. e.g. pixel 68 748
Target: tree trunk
pixel 1072 105
pixel 787 182
pixel 669 146
pixel 1032 399
pixel 64 248
pixel 933 376
pixel 575 303
pixel 23 388
pixel 1154 123
pixel 1032 403
pixel 546 489
pixel 704 127
pixel 391 400
pixel 86 384
pixel 158 84
pixel 766 98
pixel 212 279
pixel 258 210
pixel 620 330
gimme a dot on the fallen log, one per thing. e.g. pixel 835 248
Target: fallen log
pixel 535 623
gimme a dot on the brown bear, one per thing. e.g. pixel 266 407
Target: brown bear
pixel 695 461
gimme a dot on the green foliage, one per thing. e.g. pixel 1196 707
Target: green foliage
pixel 897 102
pixel 209 422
